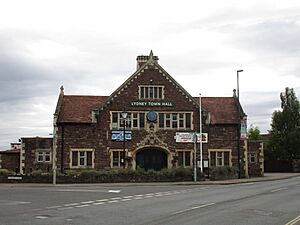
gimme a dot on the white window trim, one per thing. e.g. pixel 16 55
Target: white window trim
pixel 78 158
pixel 120 165
pixel 152 86
pixel 120 125
pixel 178 121
pixel 220 150
pixel 191 157
pixel 43 152
pixel 255 158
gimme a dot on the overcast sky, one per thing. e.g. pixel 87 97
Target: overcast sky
pixel 90 47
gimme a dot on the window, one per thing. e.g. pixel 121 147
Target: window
pixel 220 157
pixel 184 158
pixel 43 156
pixel 252 157
pixel 117 158
pixel 151 92
pixel 134 120
pixel 175 120
pixel 82 158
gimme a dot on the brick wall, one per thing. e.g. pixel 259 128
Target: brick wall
pixel 10 160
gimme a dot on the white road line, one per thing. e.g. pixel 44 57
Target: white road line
pixel 137 198
pixel 64 208
pixel 118 198
pixel 81 206
pixel 87 202
pixel 102 200
pixel 114 191
pixel 149 196
pixel 42 217
pixel 158 195
pixel 245 184
pixel 139 195
pixel 279 189
pixel 294 221
pixel 53 207
pixel 71 204
pixel 98 203
pixel 126 199
pixel 193 208
pixel 113 201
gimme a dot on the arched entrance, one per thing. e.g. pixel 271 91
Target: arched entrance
pixel 150 158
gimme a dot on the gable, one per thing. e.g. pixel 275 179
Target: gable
pixel 150 74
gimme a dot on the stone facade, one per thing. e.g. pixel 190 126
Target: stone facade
pixel 84 125
pixel 36 154
pixel 255 158
pixel 10 160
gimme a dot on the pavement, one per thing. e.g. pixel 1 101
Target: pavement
pixel 266 177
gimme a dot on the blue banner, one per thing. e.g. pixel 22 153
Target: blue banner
pixel 117 135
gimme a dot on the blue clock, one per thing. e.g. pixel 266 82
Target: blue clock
pixel 152 116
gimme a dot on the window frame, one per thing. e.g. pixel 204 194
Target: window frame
pixel 151 92
pixel 42 153
pixel 184 164
pixel 120 163
pixel 79 157
pixel 218 157
pixel 254 157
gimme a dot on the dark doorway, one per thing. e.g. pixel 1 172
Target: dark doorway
pixel 151 159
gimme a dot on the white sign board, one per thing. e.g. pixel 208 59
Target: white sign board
pixel 188 137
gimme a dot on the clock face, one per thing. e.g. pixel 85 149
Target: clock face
pixel 152 116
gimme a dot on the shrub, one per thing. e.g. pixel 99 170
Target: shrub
pixel 223 173
pixel 39 173
pixel 6 172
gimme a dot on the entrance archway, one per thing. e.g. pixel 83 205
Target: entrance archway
pixel 150 158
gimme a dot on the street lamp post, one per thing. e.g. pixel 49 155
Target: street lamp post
pixel 200 135
pixel 124 117
pixel 239 126
pixel 195 160
pixel 238 82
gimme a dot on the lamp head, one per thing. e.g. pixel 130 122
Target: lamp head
pixel 124 115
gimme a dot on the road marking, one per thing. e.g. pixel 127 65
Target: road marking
pixel 149 196
pixel 139 195
pixel 126 199
pixel 71 204
pixel 102 200
pixel 53 207
pixel 113 201
pixel 137 198
pixel 193 208
pixel 64 208
pixel 42 217
pixel 130 196
pixel 87 202
pixel 118 198
pixel 244 184
pixel 98 203
pixel 81 206
pixel 279 189
pixel 114 191
pixel 294 221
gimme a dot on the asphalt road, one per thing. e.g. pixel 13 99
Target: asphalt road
pixel 271 202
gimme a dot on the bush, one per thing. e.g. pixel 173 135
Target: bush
pixel 39 173
pixel 223 173
pixel 6 172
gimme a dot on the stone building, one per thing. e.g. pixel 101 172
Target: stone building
pixel 35 154
pixel 161 119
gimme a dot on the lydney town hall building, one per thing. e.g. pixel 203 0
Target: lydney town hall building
pixel 150 121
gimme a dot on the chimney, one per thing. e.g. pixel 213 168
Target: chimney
pixel 142 59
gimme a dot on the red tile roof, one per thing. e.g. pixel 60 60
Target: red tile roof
pixel 223 110
pixel 78 109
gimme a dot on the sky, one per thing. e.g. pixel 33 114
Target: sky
pixel 90 48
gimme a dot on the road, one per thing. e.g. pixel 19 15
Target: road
pixel 271 202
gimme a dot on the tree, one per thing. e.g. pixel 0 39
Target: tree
pixel 253 133
pixel 285 128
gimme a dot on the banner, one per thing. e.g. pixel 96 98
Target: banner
pixel 117 135
pixel 188 137
pixel 244 129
